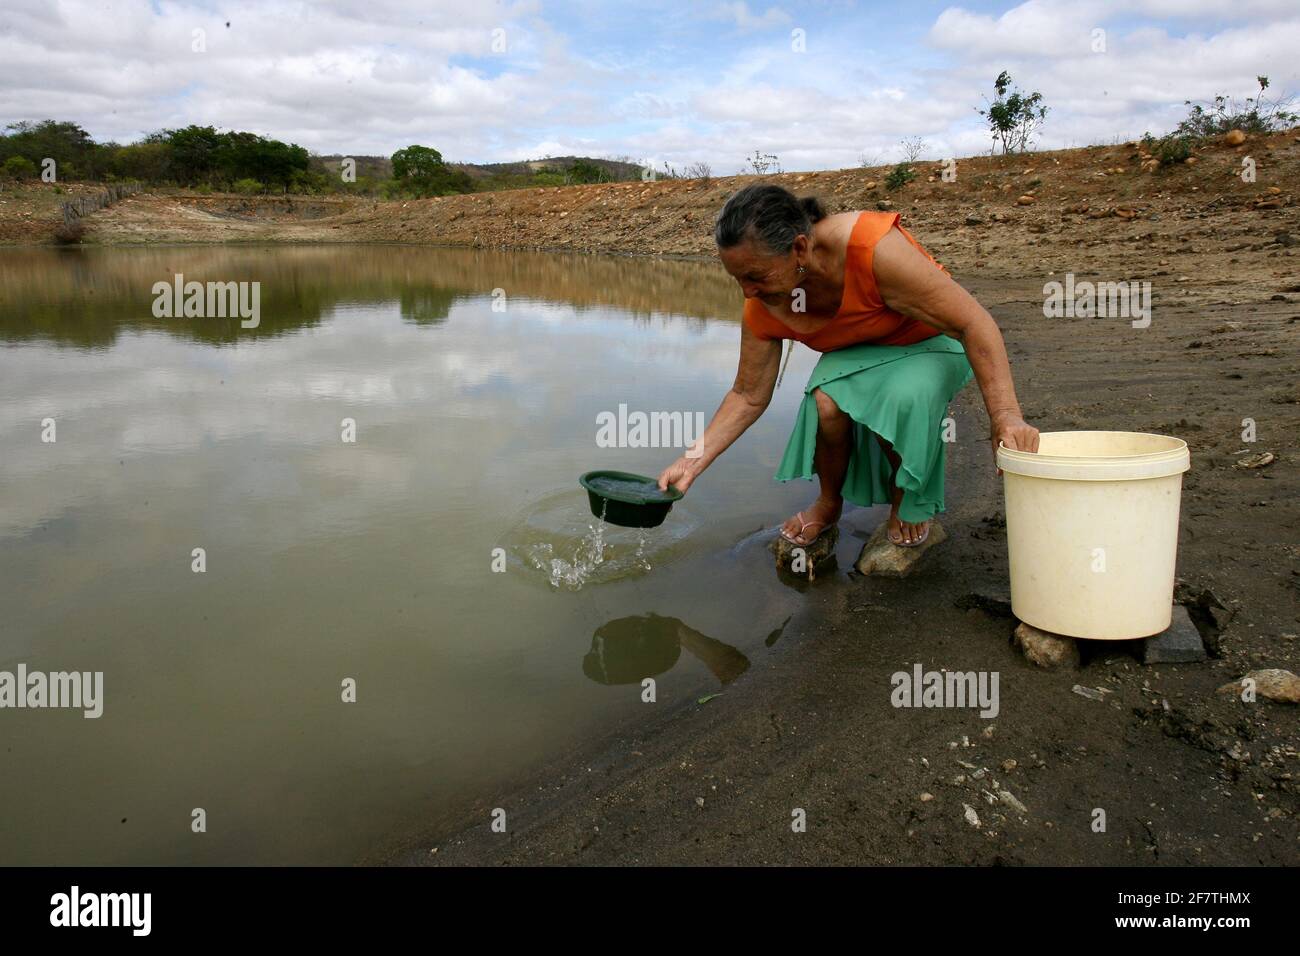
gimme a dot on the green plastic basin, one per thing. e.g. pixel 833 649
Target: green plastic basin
pixel 632 501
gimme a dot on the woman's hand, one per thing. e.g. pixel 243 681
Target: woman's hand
pixel 679 474
pixel 1013 432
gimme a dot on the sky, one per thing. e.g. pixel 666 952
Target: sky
pixel 821 84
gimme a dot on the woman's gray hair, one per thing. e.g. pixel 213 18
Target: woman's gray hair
pixel 768 215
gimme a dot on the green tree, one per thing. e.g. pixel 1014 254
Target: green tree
pixel 146 161
pixel 1013 117
pixel 417 163
pixel 420 171
pixel 194 153
pixel 249 156
pixel 19 167
pixel 66 143
pixel 585 171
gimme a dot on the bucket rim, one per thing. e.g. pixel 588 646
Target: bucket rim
pixel 1168 461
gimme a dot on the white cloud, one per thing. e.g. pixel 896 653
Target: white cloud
pixel 369 77
pixel 746 20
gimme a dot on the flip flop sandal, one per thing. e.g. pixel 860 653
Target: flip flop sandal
pixel 915 544
pixel 805 524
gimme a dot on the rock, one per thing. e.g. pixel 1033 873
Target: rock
pixel 1026 200
pixel 972 817
pixel 1180 643
pixel 926 797
pixel 1234 137
pixel 881 556
pixel 1009 765
pixel 819 548
pixel 814 553
pixel 1221 616
pixel 1009 799
pixel 1262 460
pixel 974 221
pixel 1045 649
pixel 1273 683
pixel 1088 692
pixel 1284 238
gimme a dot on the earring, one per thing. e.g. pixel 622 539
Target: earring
pixel 800 270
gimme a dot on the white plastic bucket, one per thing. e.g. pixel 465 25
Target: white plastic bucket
pixel 1092 531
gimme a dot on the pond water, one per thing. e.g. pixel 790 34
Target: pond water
pixel 335 566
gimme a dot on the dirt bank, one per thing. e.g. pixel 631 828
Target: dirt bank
pixel 1086 208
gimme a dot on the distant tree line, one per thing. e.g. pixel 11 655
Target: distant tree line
pixel 205 158
pixel 193 156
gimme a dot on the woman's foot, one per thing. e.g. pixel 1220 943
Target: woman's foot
pixel 804 527
pixel 905 533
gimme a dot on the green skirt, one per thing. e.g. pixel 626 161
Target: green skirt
pixel 899 392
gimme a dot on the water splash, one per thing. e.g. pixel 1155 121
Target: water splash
pixel 589 555
pixel 639 559
pixel 557 536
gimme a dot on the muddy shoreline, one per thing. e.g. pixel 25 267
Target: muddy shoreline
pixel 1183 775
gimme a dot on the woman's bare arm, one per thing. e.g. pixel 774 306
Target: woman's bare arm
pixel 911 284
pixel 748 398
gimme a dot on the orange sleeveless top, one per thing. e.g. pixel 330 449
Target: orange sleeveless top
pixel 863 315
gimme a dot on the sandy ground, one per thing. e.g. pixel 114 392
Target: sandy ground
pixel 1184 775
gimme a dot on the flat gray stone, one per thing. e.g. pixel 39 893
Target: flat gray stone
pixel 881 556
pixel 1045 649
pixel 1180 643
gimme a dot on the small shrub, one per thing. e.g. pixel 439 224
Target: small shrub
pixel 69 233
pixel 699 170
pixel 1258 115
pixel 247 187
pixel 203 189
pixel 1170 149
pixel 900 176
pixel 19 167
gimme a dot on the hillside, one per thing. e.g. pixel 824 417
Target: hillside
pixel 1087 208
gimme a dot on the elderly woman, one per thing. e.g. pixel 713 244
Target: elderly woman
pixel 899 339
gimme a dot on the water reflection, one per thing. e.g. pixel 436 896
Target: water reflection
pixel 629 649
pixel 87 297
pixel 329 559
